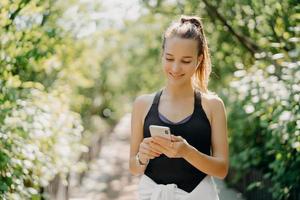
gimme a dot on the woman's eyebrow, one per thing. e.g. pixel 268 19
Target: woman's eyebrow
pixel 183 56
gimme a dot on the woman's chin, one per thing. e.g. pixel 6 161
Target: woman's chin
pixel 176 81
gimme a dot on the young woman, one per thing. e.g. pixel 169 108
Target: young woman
pixel 183 167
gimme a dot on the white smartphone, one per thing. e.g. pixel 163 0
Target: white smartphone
pixel 162 131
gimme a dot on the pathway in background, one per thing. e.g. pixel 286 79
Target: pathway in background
pixel 109 178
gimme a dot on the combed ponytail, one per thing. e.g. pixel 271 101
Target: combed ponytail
pixel 202 74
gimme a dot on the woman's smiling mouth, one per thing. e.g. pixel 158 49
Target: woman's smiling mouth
pixel 176 76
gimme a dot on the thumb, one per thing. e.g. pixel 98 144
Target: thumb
pixel 175 138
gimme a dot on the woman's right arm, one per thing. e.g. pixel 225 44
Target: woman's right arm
pixel 139 144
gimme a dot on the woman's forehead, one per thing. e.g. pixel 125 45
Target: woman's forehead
pixel 181 46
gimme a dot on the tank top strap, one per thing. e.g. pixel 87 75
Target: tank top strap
pixel 197 97
pixel 157 96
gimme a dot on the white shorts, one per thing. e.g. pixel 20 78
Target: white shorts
pixel 149 190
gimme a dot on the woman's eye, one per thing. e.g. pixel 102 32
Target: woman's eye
pixel 185 62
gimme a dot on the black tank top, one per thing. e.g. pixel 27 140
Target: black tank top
pixel 196 131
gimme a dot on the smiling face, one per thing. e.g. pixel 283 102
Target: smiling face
pixel 180 59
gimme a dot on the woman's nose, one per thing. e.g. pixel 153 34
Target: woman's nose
pixel 175 67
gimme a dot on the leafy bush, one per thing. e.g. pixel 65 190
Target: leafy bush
pixel 46 94
pixel 39 139
pixel 264 122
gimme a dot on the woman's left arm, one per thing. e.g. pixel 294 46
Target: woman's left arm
pixel 216 165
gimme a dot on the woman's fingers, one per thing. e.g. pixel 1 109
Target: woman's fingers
pixel 147 140
pixel 148 154
pixel 158 147
pixel 148 147
pixel 162 141
pixel 176 138
pixel 148 150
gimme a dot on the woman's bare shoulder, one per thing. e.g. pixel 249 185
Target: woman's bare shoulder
pixel 142 103
pixel 211 101
pixel 210 96
pixel 144 99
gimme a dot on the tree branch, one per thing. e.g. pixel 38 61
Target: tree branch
pixel 246 42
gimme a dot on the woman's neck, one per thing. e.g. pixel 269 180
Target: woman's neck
pixel 178 92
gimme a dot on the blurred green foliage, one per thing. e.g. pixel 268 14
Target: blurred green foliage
pixel 50 100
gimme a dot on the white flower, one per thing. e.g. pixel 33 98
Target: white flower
pixel 265 96
pixel 255 99
pixel 285 136
pixel 21 102
pixel 296 87
pixel 8 174
pixel 3 136
pixel 32 191
pixel 271 69
pixel 297 97
pixel 249 109
pixel 277 56
pixel 37 125
pixel 29 110
pixel 273 126
pixel 296 145
pixel 234 84
pixel 240 73
pixel 27 164
pixel 38 133
pixel 285 116
pixel 244 88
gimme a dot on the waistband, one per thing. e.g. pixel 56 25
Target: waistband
pixel 149 190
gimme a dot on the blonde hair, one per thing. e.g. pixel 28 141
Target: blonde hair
pixel 190 27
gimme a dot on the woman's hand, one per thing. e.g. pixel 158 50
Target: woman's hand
pixel 175 148
pixel 146 152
